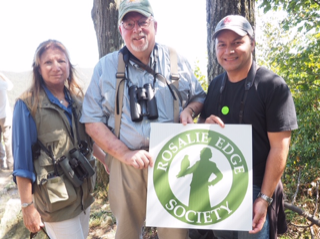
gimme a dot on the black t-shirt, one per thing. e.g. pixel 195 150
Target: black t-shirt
pixel 269 107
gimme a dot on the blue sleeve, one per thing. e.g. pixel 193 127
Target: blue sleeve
pixel 24 135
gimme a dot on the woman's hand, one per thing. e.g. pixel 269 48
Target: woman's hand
pixel 32 219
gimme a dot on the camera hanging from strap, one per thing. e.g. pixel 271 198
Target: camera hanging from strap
pixel 124 57
pixel 75 165
pixel 123 61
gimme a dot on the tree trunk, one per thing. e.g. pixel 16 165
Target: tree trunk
pixel 216 10
pixel 105 19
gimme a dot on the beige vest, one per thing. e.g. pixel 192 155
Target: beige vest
pixel 56 198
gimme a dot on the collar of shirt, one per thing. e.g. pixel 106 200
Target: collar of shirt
pixel 55 100
pixel 151 61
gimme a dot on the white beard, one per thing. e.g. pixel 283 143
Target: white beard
pixel 140 48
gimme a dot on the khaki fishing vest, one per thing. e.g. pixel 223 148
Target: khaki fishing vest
pixel 56 198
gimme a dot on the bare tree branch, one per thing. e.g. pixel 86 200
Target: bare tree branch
pixel 301 226
pixel 317 2
pixel 297 190
pixel 302 213
pixel 317 199
pixel 315 210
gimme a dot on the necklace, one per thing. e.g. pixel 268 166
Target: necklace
pixel 61 101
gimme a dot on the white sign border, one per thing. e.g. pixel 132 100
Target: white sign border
pixel 241 135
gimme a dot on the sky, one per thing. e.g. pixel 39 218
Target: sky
pixel 24 24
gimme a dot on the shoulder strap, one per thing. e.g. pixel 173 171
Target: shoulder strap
pixel 173 64
pixel 120 75
pixel 119 93
pixel 249 82
pixel 175 82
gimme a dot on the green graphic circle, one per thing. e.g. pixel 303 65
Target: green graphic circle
pixel 225 110
pixel 209 215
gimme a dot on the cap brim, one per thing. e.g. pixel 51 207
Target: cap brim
pixel 236 30
pixel 144 13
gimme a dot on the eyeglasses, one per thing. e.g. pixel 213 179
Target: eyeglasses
pixel 130 24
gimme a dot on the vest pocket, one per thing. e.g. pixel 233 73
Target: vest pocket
pixel 57 193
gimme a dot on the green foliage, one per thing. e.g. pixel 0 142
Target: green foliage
pixel 303 14
pixel 290 46
pixel 291 49
pixel 201 78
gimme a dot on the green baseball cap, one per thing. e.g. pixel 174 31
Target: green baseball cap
pixel 141 6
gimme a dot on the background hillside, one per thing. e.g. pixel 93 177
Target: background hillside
pixel 22 81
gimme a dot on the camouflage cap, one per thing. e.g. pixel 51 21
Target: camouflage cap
pixel 141 6
pixel 235 23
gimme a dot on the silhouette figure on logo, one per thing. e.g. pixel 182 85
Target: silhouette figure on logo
pixel 202 170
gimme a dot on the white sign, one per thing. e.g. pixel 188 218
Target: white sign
pixel 202 177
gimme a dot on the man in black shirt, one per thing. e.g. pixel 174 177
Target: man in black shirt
pixel 247 94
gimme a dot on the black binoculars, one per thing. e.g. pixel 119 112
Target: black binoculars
pixel 142 103
pixel 76 167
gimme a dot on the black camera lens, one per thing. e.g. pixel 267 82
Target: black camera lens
pixel 83 147
pixel 142 103
pixel 141 94
pixel 135 108
pixel 82 169
pixel 68 171
pixel 73 163
pixel 152 108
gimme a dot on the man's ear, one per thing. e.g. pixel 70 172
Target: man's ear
pixel 155 26
pixel 253 44
pixel 120 30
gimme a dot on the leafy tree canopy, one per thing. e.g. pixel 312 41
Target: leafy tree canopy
pixel 302 13
pixel 291 48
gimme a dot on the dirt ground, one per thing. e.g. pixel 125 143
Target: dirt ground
pixel 11 224
pixel 102 224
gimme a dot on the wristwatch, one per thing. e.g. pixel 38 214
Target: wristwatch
pixel 266 198
pixel 25 204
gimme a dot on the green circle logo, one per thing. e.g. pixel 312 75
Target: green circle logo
pixel 200 177
pixel 225 110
